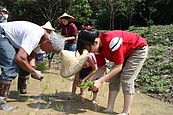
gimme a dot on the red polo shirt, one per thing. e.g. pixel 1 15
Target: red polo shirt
pixel 69 31
pixel 118 45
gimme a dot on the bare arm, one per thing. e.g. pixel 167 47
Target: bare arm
pixel 115 70
pixel 69 38
pixel 94 69
pixel 32 56
pixel 100 71
pixel 22 61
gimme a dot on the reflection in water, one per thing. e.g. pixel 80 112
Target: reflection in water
pixel 39 99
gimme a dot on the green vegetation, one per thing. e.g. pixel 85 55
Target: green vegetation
pixel 106 14
pixel 59 107
pixel 88 84
pixel 42 66
pixel 156 74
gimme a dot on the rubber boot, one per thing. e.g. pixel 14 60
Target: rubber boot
pixel 22 85
pixel 4 90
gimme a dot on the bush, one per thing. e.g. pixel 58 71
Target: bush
pixel 156 74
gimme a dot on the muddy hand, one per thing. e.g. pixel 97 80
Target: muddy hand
pixel 37 75
pixel 94 89
pixel 96 86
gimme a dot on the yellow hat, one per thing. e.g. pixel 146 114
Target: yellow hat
pixel 48 26
pixel 71 64
pixel 65 15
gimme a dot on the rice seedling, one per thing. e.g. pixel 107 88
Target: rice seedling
pixel 88 84
pixel 59 107
pixel 42 66
pixel 46 86
pixel 28 113
pixel 56 91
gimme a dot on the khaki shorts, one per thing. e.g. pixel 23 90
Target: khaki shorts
pixel 130 71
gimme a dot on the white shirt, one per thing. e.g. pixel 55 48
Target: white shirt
pixel 38 50
pixel 23 34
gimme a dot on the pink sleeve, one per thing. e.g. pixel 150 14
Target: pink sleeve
pixel 92 59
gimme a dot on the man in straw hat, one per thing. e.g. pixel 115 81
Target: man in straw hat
pixel 48 27
pixel 69 30
pixel 3 14
pixel 18 41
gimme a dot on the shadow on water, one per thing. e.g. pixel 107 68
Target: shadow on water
pixel 58 102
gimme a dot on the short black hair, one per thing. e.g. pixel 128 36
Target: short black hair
pixel 86 38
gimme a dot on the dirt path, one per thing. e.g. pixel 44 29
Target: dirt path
pixel 48 97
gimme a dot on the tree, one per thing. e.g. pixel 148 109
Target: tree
pixel 19 9
pixel 111 8
pixel 132 8
pixel 80 9
pixel 48 8
pixel 164 11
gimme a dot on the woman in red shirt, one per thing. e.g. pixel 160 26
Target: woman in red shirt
pixel 127 50
pixel 69 30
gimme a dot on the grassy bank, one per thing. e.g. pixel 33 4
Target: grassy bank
pixel 156 79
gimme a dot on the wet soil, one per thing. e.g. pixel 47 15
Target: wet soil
pixel 49 97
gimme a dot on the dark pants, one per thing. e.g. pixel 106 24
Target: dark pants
pixel 9 68
pixel 84 72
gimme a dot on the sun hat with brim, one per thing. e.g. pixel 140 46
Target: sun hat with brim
pixel 2 9
pixel 71 64
pixel 64 16
pixel 48 26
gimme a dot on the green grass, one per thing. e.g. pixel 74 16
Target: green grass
pixel 156 74
pixel 42 66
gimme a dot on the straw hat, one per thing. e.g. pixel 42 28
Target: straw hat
pixel 48 26
pixel 2 9
pixel 71 64
pixel 65 15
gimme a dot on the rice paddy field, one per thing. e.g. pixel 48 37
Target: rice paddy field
pixel 49 97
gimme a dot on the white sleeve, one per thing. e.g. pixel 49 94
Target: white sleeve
pixel 31 41
pixel 115 43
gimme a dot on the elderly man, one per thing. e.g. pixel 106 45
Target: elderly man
pixel 18 43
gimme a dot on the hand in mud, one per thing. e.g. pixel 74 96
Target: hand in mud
pixel 37 75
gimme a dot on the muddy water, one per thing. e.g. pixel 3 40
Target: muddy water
pixel 48 97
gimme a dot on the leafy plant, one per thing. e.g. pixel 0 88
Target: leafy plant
pixel 156 74
pixel 88 84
